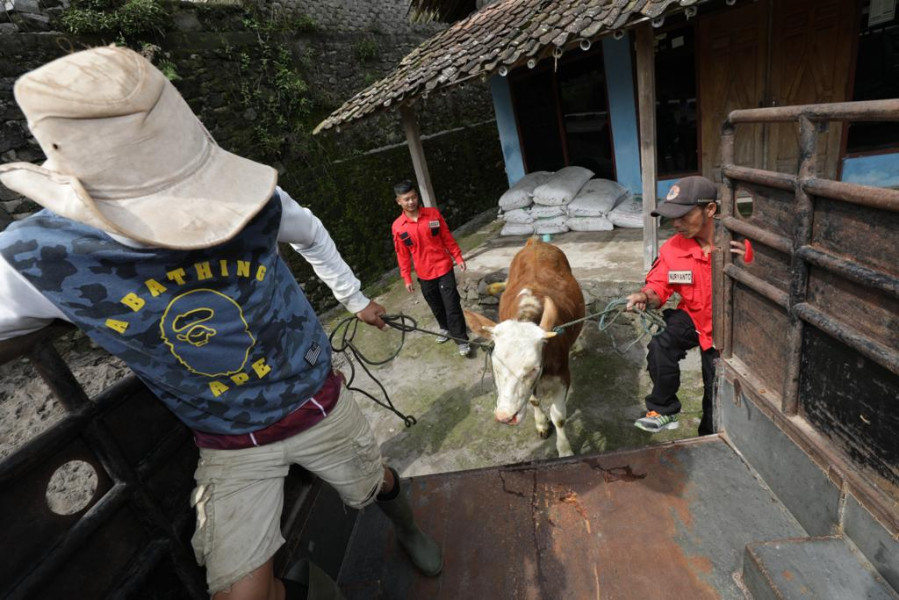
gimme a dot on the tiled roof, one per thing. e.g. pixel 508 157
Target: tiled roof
pixel 504 34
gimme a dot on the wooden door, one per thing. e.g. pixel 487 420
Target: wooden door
pixel 732 60
pixel 811 47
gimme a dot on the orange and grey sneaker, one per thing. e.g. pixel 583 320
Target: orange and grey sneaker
pixel 653 422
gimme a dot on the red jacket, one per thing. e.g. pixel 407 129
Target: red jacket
pixel 683 268
pixel 426 242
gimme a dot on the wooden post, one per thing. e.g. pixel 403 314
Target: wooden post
pixel 723 285
pixel 419 163
pixel 646 92
pixel 802 237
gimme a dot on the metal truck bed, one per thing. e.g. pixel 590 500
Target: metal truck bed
pixel 670 521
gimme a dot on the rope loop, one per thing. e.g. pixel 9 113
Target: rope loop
pixel 342 340
pixel 651 322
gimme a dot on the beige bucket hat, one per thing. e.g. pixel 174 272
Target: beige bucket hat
pixel 126 154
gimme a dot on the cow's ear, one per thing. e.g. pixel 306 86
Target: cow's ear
pixel 479 324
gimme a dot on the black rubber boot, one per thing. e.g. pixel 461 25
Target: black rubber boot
pixel 424 551
pixel 306 581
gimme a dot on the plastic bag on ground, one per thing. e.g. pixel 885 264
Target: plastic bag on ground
pixel 521 194
pixel 552 225
pixel 546 212
pixel 628 214
pixel 562 187
pixel 519 215
pixel 589 224
pixel 597 198
pixel 517 229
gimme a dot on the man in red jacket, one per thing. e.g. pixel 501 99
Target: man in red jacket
pixel 420 236
pixel 684 265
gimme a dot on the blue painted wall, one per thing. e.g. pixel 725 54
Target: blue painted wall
pixel 881 170
pixel 508 131
pixel 662 187
pixel 623 111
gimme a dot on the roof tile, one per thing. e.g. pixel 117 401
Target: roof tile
pixel 502 33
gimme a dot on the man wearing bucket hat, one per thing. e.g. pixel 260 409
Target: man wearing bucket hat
pixel 684 266
pixel 162 247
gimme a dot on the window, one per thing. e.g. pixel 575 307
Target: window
pixel 563 116
pixel 876 75
pixel 676 128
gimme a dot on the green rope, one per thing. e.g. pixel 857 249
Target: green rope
pixel 651 323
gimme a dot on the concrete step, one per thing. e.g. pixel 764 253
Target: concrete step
pixel 823 568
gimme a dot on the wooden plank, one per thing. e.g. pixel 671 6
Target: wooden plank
pixel 419 163
pixel 758 337
pixel 810 54
pixel 731 72
pixel 646 92
pixel 852 401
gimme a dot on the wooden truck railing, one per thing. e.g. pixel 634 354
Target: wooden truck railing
pixel 809 331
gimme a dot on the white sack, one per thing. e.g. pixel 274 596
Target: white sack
pixel 521 194
pixel 519 215
pixel 562 187
pixel 517 229
pixel 553 225
pixel 546 212
pixel 597 198
pixel 628 214
pixel 589 224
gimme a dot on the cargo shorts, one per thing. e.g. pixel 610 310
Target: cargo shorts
pixel 240 493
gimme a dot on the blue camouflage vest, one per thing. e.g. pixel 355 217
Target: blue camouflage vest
pixel 224 335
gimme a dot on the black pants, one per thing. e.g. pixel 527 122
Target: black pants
pixel 443 298
pixel 666 350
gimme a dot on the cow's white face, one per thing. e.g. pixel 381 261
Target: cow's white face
pixel 517 362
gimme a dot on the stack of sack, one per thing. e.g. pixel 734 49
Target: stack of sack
pixel 552 198
pixel 590 209
pixel 537 203
pixel 516 202
pixel 568 200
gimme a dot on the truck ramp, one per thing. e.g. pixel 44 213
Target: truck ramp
pixel 669 521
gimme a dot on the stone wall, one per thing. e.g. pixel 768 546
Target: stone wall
pixel 346 177
pixel 381 16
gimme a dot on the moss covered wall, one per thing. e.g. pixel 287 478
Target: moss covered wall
pixel 261 86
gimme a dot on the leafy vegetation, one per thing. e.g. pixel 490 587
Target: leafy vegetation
pixel 366 50
pixel 274 91
pixel 126 20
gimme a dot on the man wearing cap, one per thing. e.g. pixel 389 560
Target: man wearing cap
pixel 420 236
pixel 684 266
pixel 162 247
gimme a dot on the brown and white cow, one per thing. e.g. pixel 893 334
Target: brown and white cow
pixel 530 361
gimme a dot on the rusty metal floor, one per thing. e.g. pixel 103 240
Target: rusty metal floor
pixel 669 521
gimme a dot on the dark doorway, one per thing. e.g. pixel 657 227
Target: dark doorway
pixel 563 115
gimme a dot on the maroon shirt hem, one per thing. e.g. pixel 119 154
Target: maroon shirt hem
pixel 301 419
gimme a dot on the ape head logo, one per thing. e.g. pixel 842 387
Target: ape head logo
pixel 189 327
pixel 207 333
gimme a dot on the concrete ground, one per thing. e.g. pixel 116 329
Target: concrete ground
pixel 452 399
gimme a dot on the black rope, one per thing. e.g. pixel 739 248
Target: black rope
pixel 342 341
pixel 407 324
pixel 345 332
